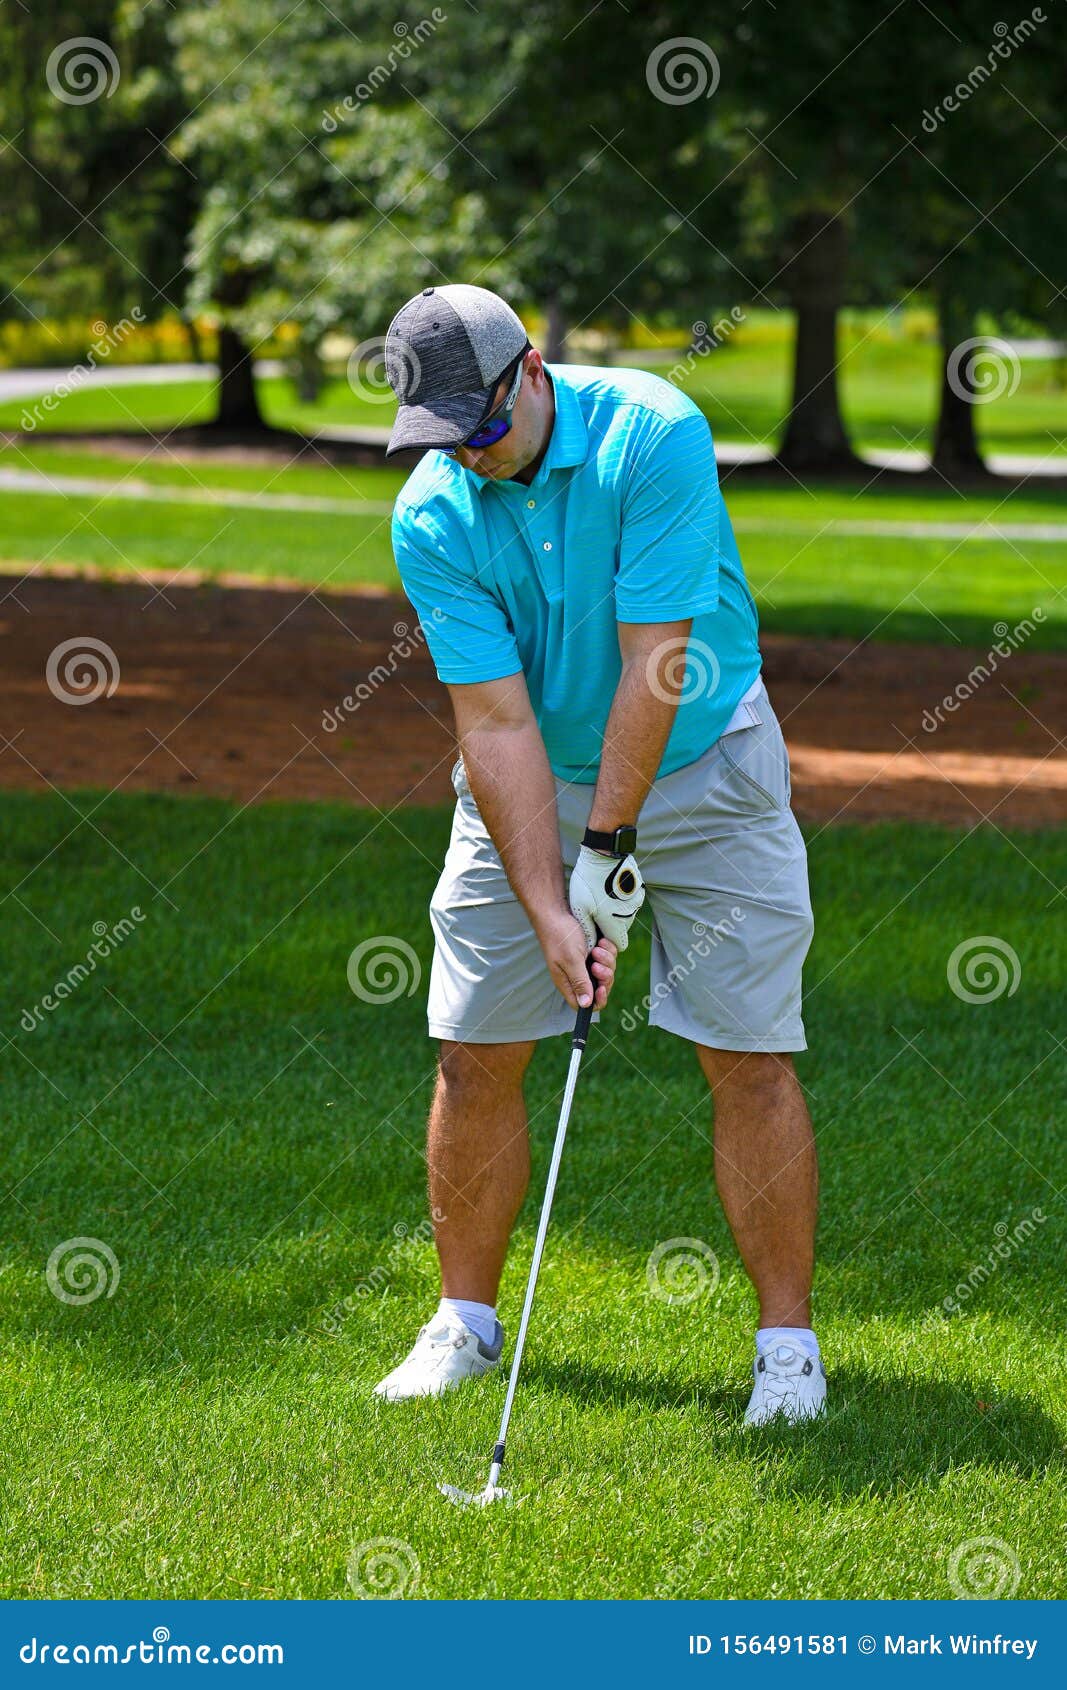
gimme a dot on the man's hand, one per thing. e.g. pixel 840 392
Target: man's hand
pixel 606 893
pixel 566 950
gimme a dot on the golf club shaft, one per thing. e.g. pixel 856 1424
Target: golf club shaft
pixel 581 1033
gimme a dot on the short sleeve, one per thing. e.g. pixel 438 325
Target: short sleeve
pixel 466 628
pixel 669 554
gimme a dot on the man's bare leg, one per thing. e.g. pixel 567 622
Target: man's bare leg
pixel 767 1175
pixel 479 1159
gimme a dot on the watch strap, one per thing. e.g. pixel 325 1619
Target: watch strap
pixel 620 842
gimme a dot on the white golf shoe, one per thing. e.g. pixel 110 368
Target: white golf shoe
pixel 789 1384
pixel 446 1352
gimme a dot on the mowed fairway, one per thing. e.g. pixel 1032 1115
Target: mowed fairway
pixel 888 562
pixel 889 384
pixel 217 1106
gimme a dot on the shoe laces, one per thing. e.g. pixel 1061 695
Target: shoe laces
pixel 443 1337
pixel 782 1369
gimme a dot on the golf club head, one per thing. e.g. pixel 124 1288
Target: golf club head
pixel 475 1499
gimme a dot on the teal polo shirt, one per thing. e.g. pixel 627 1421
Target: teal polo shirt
pixel 623 522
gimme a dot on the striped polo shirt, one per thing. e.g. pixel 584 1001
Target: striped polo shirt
pixel 623 522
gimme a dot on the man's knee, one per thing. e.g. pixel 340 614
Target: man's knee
pixel 476 1071
pixel 747 1073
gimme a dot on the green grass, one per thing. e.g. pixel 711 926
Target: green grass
pixel 888 386
pixel 207 1430
pixel 751 498
pixel 319 549
pixel 182 404
pixel 807 579
pixel 888 395
pixel 312 477
pixel 927 590
pixel 154 405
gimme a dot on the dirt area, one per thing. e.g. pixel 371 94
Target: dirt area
pixel 228 690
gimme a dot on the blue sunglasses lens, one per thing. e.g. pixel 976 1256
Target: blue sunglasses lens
pixel 495 428
pixel 490 434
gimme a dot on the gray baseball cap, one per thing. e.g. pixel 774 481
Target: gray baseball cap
pixel 445 353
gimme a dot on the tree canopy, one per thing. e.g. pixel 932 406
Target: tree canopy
pixel 311 166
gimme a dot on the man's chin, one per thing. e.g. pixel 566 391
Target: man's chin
pixel 498 472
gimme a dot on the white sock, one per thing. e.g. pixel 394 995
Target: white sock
pixel 478 1318
pixel 801 1338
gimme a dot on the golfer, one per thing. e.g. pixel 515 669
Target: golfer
pixel 566 546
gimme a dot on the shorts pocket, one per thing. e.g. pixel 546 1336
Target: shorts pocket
pixel 756 763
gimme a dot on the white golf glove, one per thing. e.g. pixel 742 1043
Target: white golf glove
pixel 605 893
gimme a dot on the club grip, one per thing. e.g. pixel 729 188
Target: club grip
pixel 584 1018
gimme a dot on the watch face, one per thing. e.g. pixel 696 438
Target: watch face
pixel 625 840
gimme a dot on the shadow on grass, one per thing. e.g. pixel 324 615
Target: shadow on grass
pixel 889 624
pixel 880 1432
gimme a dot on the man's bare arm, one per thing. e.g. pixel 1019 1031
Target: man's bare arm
pixel 513 786
pixel 508 769
pixel 642 715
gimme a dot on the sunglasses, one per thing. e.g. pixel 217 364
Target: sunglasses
pixel 496 426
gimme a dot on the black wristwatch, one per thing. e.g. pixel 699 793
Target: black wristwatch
pixel 621 843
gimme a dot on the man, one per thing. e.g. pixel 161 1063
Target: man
pixel 566 546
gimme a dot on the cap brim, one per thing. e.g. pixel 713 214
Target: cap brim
pixel 444 423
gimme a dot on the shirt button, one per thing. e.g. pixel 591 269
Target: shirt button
pixel 547 547
pixel 531 504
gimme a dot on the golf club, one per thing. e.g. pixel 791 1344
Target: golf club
pixel 493 1491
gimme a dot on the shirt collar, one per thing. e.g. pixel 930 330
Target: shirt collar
pixel 567 444
pixel 569 440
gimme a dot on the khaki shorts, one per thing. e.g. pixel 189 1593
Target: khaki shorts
pixel 726 874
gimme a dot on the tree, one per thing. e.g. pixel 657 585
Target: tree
pixel 823 100
pixel 964 212
pixel 92 202
pixel 581 204
pixel 286 233
pixel 346 168
pixel 995 161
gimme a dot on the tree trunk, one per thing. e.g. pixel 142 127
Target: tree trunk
pixel 307 371
pixel 815 437
pixel 955 443
pixel 238 404
pixel 555 347
pixel 196 347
